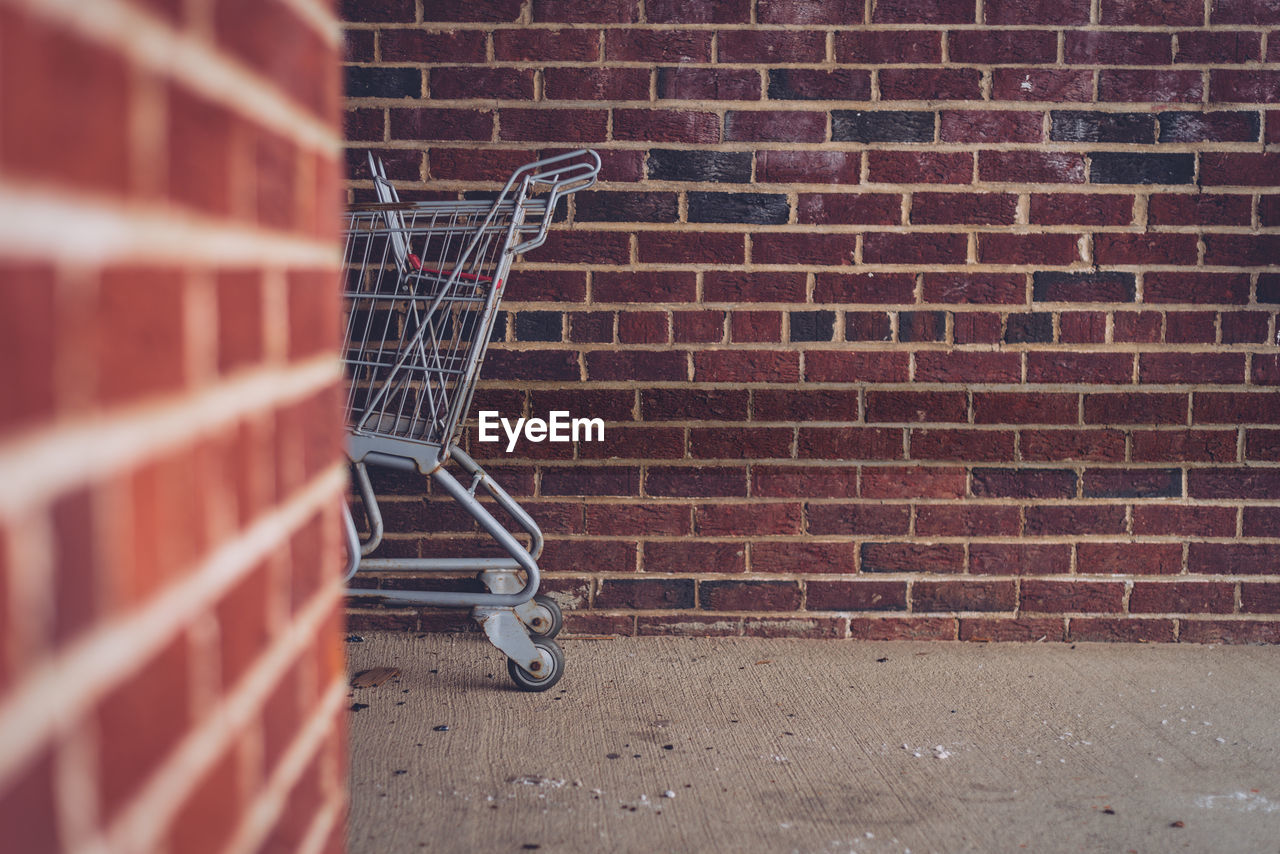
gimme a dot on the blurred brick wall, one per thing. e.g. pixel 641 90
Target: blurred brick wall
pixel 910 318
pixel 170 648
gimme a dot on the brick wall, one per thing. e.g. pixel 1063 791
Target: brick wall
pixel 910 318
pixel 170 655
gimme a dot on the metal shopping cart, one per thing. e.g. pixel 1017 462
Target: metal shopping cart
pixel 422 287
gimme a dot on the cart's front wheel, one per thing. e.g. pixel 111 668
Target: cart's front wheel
pixel 552 666
pixel 548 620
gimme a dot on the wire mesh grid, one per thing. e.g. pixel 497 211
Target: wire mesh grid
pixel 422 284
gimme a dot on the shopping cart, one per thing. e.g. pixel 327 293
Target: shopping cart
pixel 422 287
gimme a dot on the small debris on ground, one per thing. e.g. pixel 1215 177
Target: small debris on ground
pixel 441 728
pixel 1177 824
pixel 355 707
pixel 668 794
pixel 536 780
pixel 354 639
pixel 373 677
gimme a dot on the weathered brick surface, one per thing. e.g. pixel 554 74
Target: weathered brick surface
pixel 860 310
pixel 170 576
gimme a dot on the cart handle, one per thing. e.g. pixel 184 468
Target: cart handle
pixel 564 174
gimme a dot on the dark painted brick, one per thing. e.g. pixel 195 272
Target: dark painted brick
pixel 881 126
pixel 383 82
pixel 760 208
pixel 1083 287
pixel 678 165
pixel 812 325
pixel 1133 483
pixel 538 326
pixel 626 207
pixel 1088 126
pixel 1031 328
pixel 806 84
pixel 1115 167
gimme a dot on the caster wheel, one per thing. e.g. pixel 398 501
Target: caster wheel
pixel 526 681
pixel 549 621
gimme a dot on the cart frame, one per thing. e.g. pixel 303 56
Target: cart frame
pixel 416 397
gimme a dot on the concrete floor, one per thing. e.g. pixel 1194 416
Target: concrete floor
pixel 817 746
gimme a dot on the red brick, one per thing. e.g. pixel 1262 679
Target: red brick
pixel 1259 598
pixel 755 326
pixel 697 11
pixel 879 288
pixel 760 46
pixel 1122 630
pixel 1056 597
pixel 919 167
pixel 802 556
pixel 734 286
pixel 1129 558
pixel 807 405
pixel 1002 47
pixel 963 596
pixel 1218 46
pixel 1226 368
pixel 734 443
pixel 657 286
pixel 540 45
pixel 1188 520
pixel 1023 483
pixel 694 625
pixel 1090 327
pixel 1121 249
pixel 1166 287
pixel 1229 631
pixel 883 247
pixel 1031 167
pixel 1140 408
pixel 1081 209
pixel 807 84
pixel 586 11
pixel 974 288
pixel 808 167
pixel 749 595
pixel 1262 445
pixel 645 594
pixel 962 445
pixel 885 47
pixel 1054 520
pixel 1061 367
pixel 1190 445
pixel 661 443
pixel 859 595
pixel 686 556
pixel 496 11
pixel 1216 209
pixel 747 519
pixel 913 84
pixel 912 482
pixel 916 406
pixel 709 84
pixel 1037 12
pixel 464 82
pixel 702 481
pixel 140 349
pixel 698 326
pixel 994 629
pixel 849 208
pixel 1233 558
pixel 1096 47
pixel 587 247
pixel 642 327
pixel 817 481
pixel 1138 326
pixel 1152 13
pixel 746 366
pixel 787 627
pixel 409 45
pixel 902 628
pixel 849 443
pixel 1019 559
pixel 1059 445
pixel 28 338
pixel 1145 85
pixel 574 554
pixel 29 806
pixel 1182 597
pixel 677 404
pixel 924 12
pixel 666 126
pixel 1252 86
pixel 806 248
pixel 874 518
pixel 443 124
pixel 1025 408
pixel 697 247
pixel 991 126
pixel 1250 482
pixel 1042 84
pixel 206 820
pixel 973 520
pixel 1034 249
pixel 965 208
pixel 630 44
pixel 557 125
pixel 92 152
pixel 158 693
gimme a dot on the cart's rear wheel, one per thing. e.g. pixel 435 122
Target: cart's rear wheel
pixel 553 663
pixel 549 620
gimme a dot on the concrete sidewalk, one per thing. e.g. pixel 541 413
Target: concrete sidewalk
pixel 817 746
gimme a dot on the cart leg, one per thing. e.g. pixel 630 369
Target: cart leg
pixel 540 615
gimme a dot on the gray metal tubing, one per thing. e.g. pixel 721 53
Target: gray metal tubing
pixel 439 564
pixel 509 504
pixel 354 551
pixel 371 511
pixel 446 598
